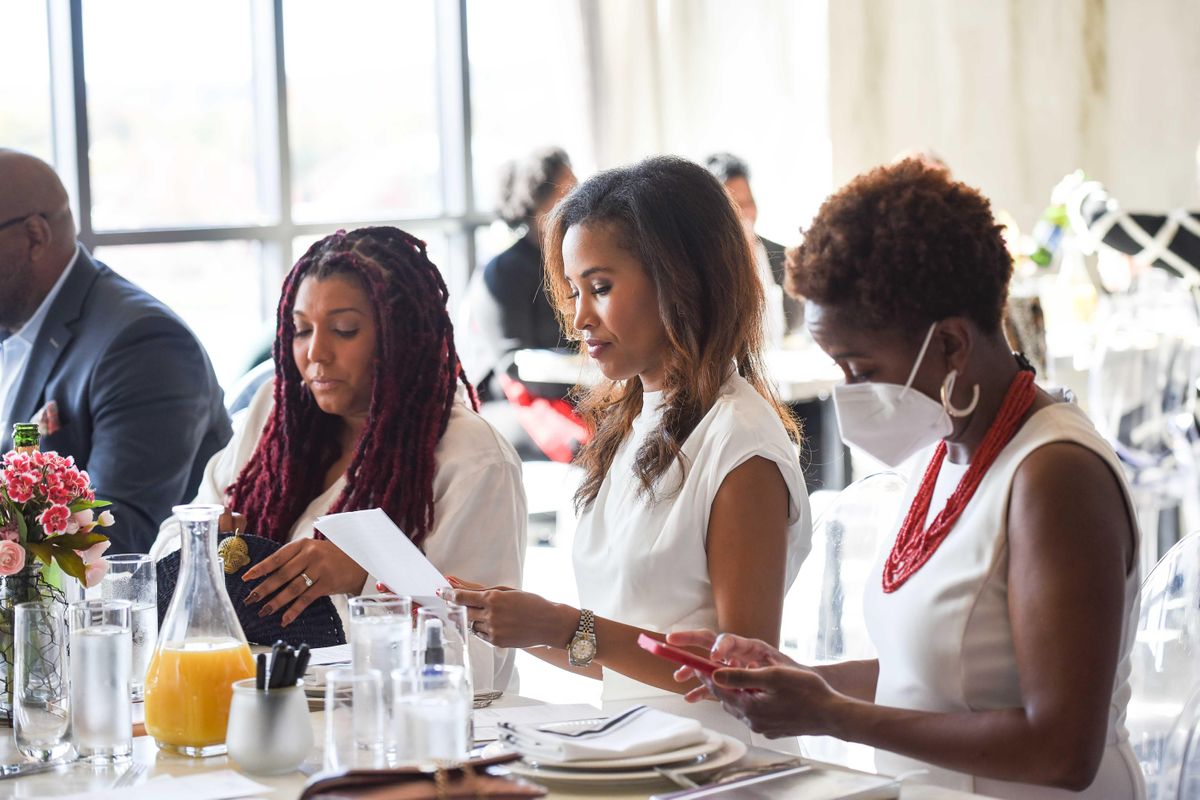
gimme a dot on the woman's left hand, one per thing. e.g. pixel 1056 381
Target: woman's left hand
pixel 328 569
pixel 507 617
pixel 777 700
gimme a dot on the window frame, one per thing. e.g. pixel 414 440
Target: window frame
pixel 458 220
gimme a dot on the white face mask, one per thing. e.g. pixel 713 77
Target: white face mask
pixel 891 422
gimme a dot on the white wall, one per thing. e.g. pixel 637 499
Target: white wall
pixel 1016 93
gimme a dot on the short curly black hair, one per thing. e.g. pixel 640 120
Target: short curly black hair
pixel 525 183
pixel 904 245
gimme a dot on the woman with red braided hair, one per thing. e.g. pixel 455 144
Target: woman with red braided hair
pixel 369 408
pixel 1003 614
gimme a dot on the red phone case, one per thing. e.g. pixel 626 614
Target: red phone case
pixel 678 655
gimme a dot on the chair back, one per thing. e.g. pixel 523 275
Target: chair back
pixel 1164 707
pixel 823 618
pixel 823 612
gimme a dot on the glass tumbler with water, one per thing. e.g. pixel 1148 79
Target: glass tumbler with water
pixel 133 577
pixel 41 712
pixel 101 654
pixel 380 632
pixel 437 714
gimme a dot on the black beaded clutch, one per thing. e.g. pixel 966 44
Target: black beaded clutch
pixel 318 625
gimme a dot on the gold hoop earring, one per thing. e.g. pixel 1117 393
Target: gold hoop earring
pixel 948 393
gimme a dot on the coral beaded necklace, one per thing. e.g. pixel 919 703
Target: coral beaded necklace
pixel 915 543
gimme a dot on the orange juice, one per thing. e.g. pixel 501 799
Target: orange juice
pixel 189 686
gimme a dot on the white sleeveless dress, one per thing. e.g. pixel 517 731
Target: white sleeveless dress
pixel 645 563
pixel 945 640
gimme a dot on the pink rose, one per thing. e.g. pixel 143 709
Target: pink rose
pixel 12 558
pixel 54 519
pixel 93 553
pixel 94 573
pixel 81 521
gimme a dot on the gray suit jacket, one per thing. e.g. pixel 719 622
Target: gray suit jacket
pixel 139 406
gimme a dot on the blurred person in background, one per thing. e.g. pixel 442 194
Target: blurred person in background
pixel 111 375
pixel 783 312
pixel 507 310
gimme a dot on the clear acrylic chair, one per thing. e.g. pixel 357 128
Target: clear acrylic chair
pixel 823 620
pixel 1142 397
pixel 1165 680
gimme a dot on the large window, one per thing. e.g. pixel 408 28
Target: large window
pixel 206 145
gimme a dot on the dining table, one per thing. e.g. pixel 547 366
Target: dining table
pixel 155 771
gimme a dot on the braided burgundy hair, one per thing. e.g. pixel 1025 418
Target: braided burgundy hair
pixel 416 373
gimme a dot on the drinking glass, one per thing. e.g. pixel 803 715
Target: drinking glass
pixel 433 712
pixel 269 732
pixel 354 720
pixel 450 622
pixel 380 633
pixel 133 577
pixel 41 717
pixel 101 655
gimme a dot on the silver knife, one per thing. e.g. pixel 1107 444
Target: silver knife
pixel 32 767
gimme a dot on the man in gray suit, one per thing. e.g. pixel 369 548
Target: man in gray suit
pixel 112 376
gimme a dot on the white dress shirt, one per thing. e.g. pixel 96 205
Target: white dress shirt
pixel 16 349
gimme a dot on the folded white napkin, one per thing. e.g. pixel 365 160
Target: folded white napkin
pixel 637 731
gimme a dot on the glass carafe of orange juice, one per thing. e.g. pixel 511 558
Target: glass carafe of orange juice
pixel 201 648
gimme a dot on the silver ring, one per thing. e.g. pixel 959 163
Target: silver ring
pixel 307 580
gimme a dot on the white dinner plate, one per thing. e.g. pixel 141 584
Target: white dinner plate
pixel 730 751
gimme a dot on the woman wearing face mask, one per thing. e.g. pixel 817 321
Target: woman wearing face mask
pixel 693 504
pixel 1003 612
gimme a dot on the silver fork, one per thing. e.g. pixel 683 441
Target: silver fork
pixel 130 777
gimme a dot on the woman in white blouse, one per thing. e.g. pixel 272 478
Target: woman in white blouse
pixel 694 511
pixel 369 408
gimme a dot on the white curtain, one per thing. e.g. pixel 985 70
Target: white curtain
pixel 1016 93
pixel 691 77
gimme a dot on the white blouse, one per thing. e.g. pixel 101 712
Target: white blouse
pixel 479 516
pixel 646 563
pixel 945 639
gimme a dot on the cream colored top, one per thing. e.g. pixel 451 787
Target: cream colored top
pixel 479 516
pixel 944 637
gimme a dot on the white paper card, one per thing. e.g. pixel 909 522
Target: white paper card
pixel 382 549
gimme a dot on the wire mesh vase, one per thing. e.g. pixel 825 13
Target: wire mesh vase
pixel 26 586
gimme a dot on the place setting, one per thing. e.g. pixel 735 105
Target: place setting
pixel 634 746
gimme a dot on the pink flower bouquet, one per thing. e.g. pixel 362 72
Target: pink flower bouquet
pixel 47 512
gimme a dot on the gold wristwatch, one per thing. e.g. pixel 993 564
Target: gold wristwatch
pixel 582 648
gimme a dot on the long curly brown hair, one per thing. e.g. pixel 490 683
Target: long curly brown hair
pixel 416 373
pixel 680 224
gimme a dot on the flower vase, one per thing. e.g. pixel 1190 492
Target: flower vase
pixel 28 585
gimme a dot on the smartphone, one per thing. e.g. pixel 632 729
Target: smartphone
pixel 679 655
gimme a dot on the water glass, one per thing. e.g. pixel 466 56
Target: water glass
pixel 433 713
pixel 101 655
pixel 133 577
pixel 41 717
pixel 380 633
pixel 269 732
pixel 354 720
pixel 455 638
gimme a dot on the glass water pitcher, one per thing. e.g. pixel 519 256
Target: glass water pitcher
pixel 201 649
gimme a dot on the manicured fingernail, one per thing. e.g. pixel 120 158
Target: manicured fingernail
pixel 252 597
pixel 265 611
